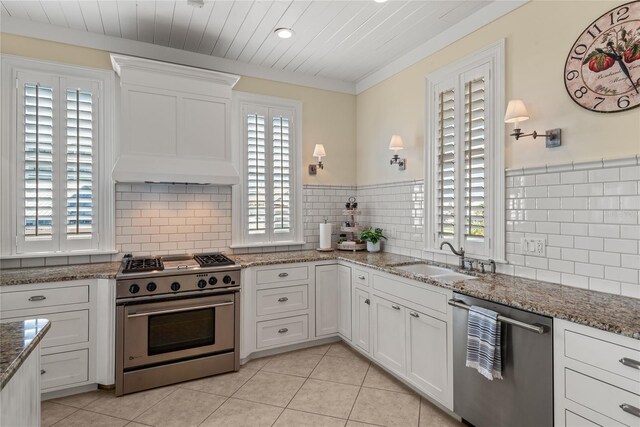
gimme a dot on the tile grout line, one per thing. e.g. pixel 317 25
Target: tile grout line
pixel 359 390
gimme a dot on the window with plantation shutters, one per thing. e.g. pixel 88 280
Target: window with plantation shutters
pixel 270 192
pixel 38 161
pixel 474 140
pixel 464 155
pixel 55 196
pixel 79 162
pixel 446 185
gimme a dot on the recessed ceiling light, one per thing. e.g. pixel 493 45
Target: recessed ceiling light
pixel 284 33
pixel 380 1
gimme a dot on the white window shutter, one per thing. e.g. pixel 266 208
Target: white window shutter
pixel 256 176
pixel 474 159
pixel 446 164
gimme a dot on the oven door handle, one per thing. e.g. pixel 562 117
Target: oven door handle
pixel 178 310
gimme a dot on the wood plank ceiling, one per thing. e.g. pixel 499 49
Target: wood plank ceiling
pixel 342 40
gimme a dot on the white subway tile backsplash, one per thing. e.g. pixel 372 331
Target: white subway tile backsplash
pixel 592 236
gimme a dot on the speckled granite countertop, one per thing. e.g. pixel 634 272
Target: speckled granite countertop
pixel 613 313
pixel 17 341
pixel 23 276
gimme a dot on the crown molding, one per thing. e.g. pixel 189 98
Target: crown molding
pixel 119 45
pixel 463 28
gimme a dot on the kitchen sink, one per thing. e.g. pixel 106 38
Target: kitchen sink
pixel 431 271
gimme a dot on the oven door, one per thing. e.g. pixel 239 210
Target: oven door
pixel 162 331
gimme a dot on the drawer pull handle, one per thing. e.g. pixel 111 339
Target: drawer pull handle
pixel 37 298
pixel 414 314
pixel 630 409
pixel 42 372
pixel 283 299
pixel 283 330
pixel 283 274
pixel 367 301
pixel 395 307
pixel 630 362
pixel 361 277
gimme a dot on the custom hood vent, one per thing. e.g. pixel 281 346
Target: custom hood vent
pixel 175 123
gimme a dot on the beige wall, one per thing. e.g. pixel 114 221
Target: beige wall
pixel 538 37
pixel 328 117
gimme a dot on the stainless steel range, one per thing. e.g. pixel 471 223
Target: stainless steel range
pixel 177 319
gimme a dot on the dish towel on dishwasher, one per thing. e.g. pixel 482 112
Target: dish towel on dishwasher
pixel 483 342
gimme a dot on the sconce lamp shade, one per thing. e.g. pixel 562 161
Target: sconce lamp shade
pixel 516 112
pixel 396 143
pixel 319 152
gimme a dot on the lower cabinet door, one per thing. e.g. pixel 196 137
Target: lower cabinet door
pixel 62 369
pixel 427 354
pixel 327 300
pixel 389 334
pixel 344 314
pixel 361 319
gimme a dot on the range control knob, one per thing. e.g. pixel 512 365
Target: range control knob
pixel 134 288
pixel 175 286
pixel 202 283
pixel 213 281
pixel 227 280
pixel 151 286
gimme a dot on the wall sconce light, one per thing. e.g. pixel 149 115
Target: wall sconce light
pixel 396 145
pixel 318 152
pixel 517 112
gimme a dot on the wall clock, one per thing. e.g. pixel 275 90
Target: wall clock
pixel 602 72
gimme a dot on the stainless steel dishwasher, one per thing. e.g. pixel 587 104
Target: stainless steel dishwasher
pixel 524 398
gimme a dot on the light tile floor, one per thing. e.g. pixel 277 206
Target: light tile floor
pixel 325 386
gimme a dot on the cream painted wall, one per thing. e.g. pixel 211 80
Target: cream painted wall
pixel 538 37
pixel 328 117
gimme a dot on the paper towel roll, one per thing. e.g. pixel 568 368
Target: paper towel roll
pixel 325 235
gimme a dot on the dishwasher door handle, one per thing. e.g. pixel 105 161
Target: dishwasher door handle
pixel 540 329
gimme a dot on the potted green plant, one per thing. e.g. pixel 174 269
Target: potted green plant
pixel 372 236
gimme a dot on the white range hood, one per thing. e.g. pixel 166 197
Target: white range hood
pixel 175 123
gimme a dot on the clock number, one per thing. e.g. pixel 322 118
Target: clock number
pixel 573 74
pixel 579 51
pixel 579 93
pixel 599 99
pixel 590 31
pixel 623 101
pixel 622 14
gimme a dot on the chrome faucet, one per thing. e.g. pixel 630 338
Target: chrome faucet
pixel 458 253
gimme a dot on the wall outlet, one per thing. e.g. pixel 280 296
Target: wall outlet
pixel 393 232
pixel 537 247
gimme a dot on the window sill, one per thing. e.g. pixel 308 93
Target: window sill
pixel 264 245
pixel 58 254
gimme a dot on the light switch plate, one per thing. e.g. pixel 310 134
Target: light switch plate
pixel 537 247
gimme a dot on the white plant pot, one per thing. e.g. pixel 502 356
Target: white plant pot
pixel 373 247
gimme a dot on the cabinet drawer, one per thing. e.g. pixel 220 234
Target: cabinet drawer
pixel 417 294
pixel 601 397
pixel 360 277
pixel 70 327
pixel 574 420
pixel 61 369
pixel 602 354
pixel 282 331
pixel 284 274
pixel 44 298
pixel 282 300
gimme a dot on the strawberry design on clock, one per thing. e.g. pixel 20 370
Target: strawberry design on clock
pixel 602 71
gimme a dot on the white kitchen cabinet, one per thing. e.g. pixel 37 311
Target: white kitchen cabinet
pixel 344 302
pixel 361 319
pixel 327 300
pixel 69 354
pixel 596 377
pixel 427 361
pixel 20 397
pixel 389 346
